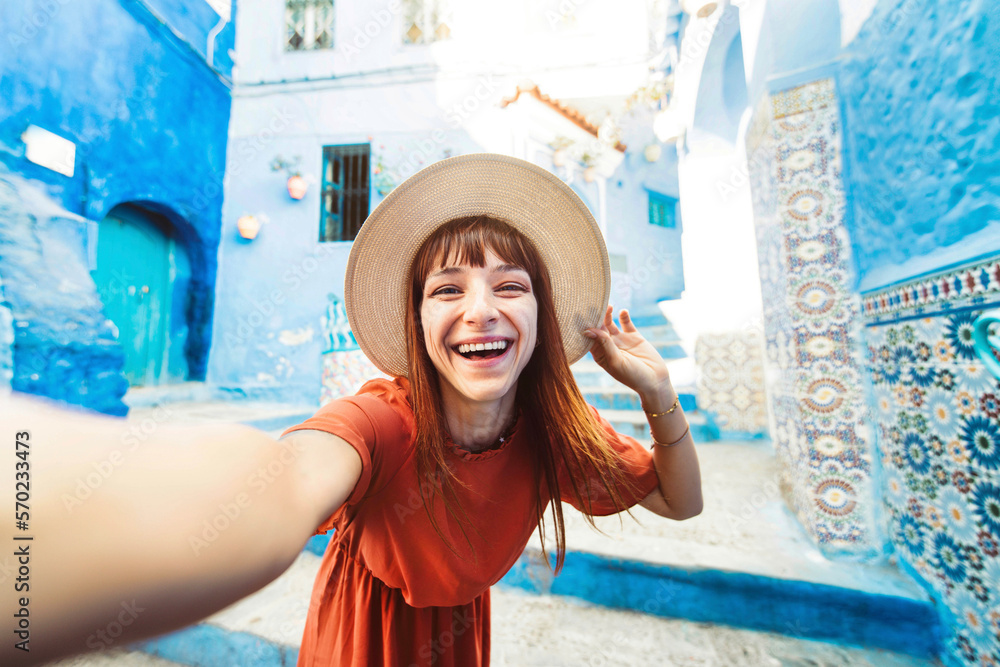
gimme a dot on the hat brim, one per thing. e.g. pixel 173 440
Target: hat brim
pixel 532 200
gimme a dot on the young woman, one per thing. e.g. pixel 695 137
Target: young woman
pixel 474 285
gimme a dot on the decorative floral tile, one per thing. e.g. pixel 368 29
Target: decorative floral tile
pixel 819 249
pixel 812 322
pixel 801 164
pixel 938 414
pixel 731 381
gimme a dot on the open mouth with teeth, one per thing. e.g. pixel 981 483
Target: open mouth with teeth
pixel 483 350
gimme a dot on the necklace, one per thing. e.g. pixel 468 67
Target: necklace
pixel 504 436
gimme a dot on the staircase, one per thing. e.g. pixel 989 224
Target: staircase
pixel 620 405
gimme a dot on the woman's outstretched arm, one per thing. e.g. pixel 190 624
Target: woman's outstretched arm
pixel 128 534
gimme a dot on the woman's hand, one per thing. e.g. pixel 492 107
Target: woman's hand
pixel 627 356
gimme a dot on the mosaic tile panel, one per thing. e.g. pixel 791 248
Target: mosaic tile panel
pixel 810 97
pixel 731 381
pixel 813 359
pixel 937 408
pixel 344 373
pixel 973 285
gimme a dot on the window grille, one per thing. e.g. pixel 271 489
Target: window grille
pixel 662 210
pixel 426 21
pixel 345 197
pixel 308 25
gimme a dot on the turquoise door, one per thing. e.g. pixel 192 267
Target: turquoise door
pixel 133 279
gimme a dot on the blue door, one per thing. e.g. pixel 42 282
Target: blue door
pixel 133 278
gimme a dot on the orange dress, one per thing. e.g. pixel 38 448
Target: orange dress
pixel 389 592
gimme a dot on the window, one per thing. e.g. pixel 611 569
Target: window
pixel 426 21
pixel 308 25
pixel 662 210
pixel 345 191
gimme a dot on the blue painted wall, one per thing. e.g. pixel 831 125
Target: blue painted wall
pixel 128 82
pixel 921 99
pixel 796 36
pixel 62 346
pixel 6 342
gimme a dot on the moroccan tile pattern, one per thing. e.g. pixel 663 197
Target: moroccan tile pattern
pixel 973 285
pixel 809 97
pixel 938 411
pixel 813 362
pixel 731 381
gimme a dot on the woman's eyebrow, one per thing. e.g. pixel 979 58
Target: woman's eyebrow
pixel 507 268
pixel 499 268
pixel 447 271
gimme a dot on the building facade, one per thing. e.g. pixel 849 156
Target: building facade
pixel 349 99
pixel 113 139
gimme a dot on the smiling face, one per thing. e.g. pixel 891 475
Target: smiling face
pixel 479 326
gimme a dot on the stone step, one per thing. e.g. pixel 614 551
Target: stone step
pixel 660 334
pixel 670 350
pixel 587 373
pixel 623 398
pixel 891 621
pixel 147 397
pixel 264 415
pixel 633 423
pixel 744 561
pixel 556 630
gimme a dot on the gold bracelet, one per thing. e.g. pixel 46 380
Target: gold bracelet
pixel 669 444
pixel 677 402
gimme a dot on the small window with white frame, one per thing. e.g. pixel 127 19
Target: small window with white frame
pixel 308 25
pixel 426 21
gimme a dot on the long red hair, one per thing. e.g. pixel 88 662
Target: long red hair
pixel 547 394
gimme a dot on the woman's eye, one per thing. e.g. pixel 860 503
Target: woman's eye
pixel 444 290
pixel 513 287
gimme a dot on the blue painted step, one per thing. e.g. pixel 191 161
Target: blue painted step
pixel 799 608
pixel 621 406
pixel 633 423
pixel 206 645
pixel 608 398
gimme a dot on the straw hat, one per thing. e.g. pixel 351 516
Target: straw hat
pixel 529 198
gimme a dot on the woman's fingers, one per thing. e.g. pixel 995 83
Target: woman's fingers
pixel 605 347
pixel 627 325
pixel 609 321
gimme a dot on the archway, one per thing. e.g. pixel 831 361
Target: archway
pixel 143 278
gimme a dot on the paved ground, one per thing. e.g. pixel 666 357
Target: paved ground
pixel 547 631
pixel 744 527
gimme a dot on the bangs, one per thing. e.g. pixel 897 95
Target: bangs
pixel 466 241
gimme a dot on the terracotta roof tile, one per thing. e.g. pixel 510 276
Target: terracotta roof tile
pixel 573 115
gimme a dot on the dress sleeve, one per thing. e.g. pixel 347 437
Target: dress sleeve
pixel 369 425
pixel 636 462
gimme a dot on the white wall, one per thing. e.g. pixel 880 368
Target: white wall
pixel 721 278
